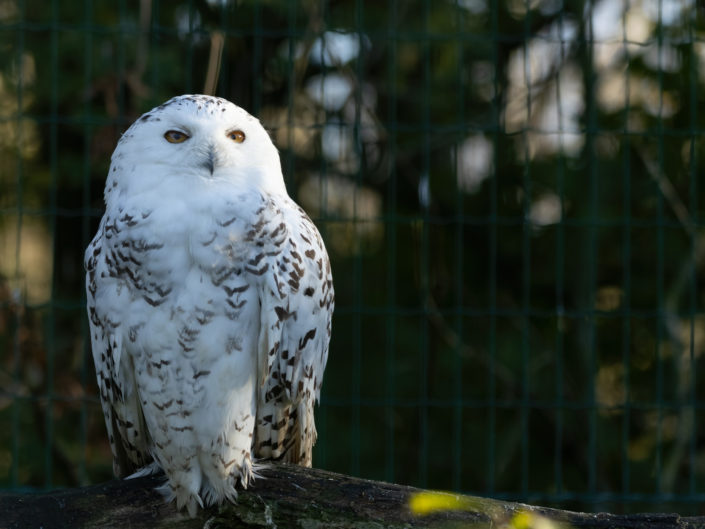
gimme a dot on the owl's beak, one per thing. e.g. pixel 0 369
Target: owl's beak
pixel 209 160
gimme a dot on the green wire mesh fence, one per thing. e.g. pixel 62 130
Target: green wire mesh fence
pixel 510 193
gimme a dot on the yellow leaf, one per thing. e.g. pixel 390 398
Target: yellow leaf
pixel 428 502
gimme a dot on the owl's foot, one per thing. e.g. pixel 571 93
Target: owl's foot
pixel 152 468
pixel 184 497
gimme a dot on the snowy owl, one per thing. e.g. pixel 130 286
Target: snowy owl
pixel 210 299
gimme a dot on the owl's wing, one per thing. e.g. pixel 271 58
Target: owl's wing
pixel 119 397
pixel 296 309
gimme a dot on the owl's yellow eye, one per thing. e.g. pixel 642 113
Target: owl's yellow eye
pixel 237 136
pixel 175 136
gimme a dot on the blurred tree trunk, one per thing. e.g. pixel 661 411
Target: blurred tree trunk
pixel 291 496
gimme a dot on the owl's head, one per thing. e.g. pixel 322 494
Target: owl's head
pixel 196 138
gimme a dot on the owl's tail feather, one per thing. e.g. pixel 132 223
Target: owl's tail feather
pixel 286 433
pixel 273 431
pixel 304 430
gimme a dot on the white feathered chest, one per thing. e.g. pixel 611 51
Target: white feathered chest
pixel 210 301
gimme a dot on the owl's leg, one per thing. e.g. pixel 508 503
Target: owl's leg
pixel 227 460
pixel 168 412
pixel 226 421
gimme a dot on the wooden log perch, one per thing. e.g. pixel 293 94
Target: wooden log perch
pixel 291 496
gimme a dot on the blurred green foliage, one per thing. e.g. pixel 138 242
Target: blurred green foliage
pixel 511 196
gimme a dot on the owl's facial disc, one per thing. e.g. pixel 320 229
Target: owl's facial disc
pixel 200 138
